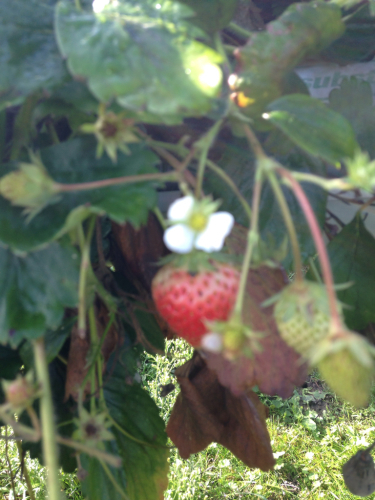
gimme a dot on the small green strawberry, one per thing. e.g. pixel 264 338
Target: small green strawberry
pixel 188 300
pixel 302 315
pixel 345 361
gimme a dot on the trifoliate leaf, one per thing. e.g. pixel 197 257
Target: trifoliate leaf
pixel 147 63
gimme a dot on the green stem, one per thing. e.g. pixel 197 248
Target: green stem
pixel 241 32
pixel 205 144
pixel 25 472
pixel 113 481
pixel 221 173
pixel 319 243
pixel 139 441
pixel 326 184
pixel 97 361
pixel 289 224
pixel 160 217
pixel 98 350
pixel 89 450
pixel 50 450
pixel 127 179
pixel 85 244
pixel 254 143
pixel 252 240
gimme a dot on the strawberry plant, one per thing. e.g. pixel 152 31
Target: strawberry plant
pixel 163 169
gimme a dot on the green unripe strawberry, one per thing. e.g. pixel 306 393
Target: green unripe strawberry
pixel 346 364
pixel 302 315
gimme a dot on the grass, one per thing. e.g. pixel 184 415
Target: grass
pixel 312 435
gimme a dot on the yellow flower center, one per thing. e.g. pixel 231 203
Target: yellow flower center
pixel 198 222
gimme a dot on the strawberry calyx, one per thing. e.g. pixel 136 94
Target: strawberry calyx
pixel 237 338
pixel 196 260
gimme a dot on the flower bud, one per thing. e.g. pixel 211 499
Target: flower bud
pixel 30 186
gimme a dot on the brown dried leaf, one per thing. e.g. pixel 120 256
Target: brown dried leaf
pixel 276 369
pixel 205 411
pixel 139 251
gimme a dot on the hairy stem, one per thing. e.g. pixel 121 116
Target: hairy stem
pixel 89 450
pixel 50 450
pixel 25 471
pixel 289 224
pixel 85 244
pixel 127 179
pixel 220 172
pixel 252 240
pixel 205 144
pixel 319 243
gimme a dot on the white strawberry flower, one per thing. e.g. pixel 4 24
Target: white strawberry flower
pixel 195 224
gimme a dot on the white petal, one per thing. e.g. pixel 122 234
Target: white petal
pixel 212 342
pixel 180 209
pixel 218 227
pixel 179 238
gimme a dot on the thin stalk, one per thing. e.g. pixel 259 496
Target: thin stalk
pixel 139 441
pixel 113 481
pixel 319 243
pixel 205 143
pixel 93 452
pixel 221 173
pixel 326 184
pixel 241 32
pixel 254 143
pixel 85 244
pixel 94 337
pixel 50 450
pixel 251 241
pixel 25 471
pixel 98 349
pixel 9 464
pixel 127 179
pixel 160 217
pixel 289 224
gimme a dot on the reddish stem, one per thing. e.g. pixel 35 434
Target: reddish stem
pixel 319 243
pixel 85 186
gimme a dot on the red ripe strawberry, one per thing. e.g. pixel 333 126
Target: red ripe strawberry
pixel 186 300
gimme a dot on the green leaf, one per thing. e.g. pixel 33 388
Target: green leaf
pixel 303 29
pixel 29 57
pixel 143 475
pixel 34 291
pixel 351 254
pixel 354 101
pixel 212 15
pixel 147 63
pixel 314 127
pixel 75 162
pixel 53 342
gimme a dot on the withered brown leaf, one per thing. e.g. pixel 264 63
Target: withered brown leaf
pixel 206 412
pixel 275 368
